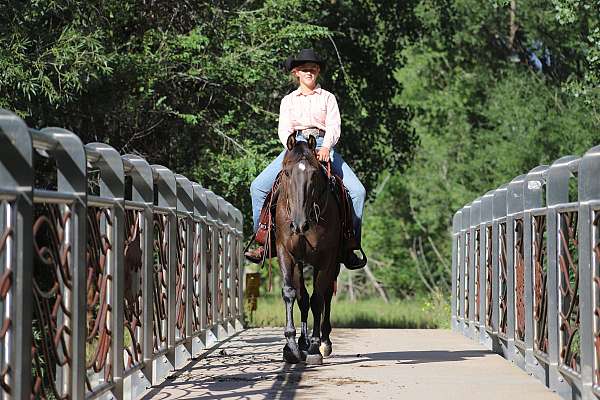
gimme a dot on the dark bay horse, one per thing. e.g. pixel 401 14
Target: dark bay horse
pixel 307 233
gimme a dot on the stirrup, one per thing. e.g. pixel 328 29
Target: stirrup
pixel 256 256
pixel 352 261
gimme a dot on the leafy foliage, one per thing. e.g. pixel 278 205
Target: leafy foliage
pixel 485 111
pixel 441 100
pixel 195 85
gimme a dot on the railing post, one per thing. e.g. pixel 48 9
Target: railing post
pixel 514 214
pixel 142 192
pixel 72 178
pixel 589 196
pixel 165 183
pixel 499 278
pixel 112 185
pixel 213 216
pixel 464 268
pixel 16 221
pixel 183 293
pixel 557 193
pixel 485 277
pixel 231 265
pixel 223 264
pixel 198 302
pixel 454 306
pixel 205 278
pixel 239 226
pixel 474 268
pixel 533 197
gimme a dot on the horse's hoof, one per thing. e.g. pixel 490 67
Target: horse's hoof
pixel 303 354
pixel 325 349
pixel 303 344
pixel 289 356
pixel 314 359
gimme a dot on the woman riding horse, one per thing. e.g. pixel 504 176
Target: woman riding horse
pixel 311 111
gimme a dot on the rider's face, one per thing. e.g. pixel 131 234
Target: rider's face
pixel 307 74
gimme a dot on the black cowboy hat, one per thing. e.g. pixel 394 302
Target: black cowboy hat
pixel 305 56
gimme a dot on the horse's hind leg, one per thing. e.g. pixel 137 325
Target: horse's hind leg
pixel 304 305
pixel 326 347
pixel 291 353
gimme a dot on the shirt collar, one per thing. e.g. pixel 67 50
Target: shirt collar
pixel 316 90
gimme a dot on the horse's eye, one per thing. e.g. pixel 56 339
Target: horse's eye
pixel 286 172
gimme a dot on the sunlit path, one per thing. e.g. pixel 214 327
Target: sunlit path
pixel 367 363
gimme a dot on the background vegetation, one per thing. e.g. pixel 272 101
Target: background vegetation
pixel 441 100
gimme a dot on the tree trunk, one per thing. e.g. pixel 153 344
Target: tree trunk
pixel 376 284
pixel 351 288
pixel 513 26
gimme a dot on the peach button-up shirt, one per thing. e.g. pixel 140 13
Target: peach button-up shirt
pixel 318 109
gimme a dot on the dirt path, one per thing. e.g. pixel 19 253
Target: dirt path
pixel 366 363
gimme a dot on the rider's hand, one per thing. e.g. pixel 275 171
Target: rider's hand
pixel 323 154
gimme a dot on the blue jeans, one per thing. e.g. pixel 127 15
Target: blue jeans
pixel 262 184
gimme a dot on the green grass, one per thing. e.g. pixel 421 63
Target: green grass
pixel 432 312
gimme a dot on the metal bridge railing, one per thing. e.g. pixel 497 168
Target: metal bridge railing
pixel 526 273
pixel 113 272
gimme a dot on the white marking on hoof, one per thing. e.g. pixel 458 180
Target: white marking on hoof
pixel 323 350
pixel 314 359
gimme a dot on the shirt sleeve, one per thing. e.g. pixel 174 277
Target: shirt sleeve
pixel 285 121
pixel 332 123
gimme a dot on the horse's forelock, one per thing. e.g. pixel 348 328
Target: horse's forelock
pixel 300 152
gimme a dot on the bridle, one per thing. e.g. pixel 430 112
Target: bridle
pixel 316 205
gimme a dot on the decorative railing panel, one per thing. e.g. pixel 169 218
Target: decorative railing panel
pixel 197 278
pixel 160 281
pixel 596 291
pixel 210 270
pixel 134 282
pixel 519 274
pixel 458 277
pixel 570 337
pixel 503 286
pixel 542 273
pixel 540 284
pixel 467 276
pixel 99 289
pixel 52 284
pixel 488 278
pixel 180 284
pixel 99 285
pixel 7 224
pixel 477 263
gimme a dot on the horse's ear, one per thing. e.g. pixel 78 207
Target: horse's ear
pixel 312 142
pixel 291 141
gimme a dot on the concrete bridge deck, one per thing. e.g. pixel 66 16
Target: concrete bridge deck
pixel 366 363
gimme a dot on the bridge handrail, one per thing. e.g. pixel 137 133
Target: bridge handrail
pixel 526 273
pixel 113 276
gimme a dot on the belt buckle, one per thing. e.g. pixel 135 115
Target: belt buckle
pixel 307 133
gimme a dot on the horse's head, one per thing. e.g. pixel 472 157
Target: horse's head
pixel 304 183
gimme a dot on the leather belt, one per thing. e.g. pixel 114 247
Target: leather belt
pixel 316 132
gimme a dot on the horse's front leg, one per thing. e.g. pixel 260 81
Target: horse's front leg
pixel 304 305
pixel 291 353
